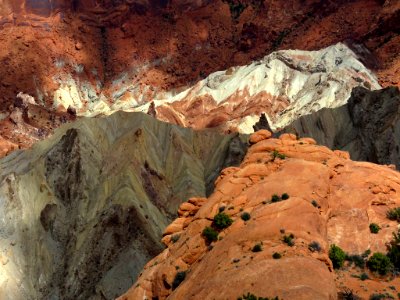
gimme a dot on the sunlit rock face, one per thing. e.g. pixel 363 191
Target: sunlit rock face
pixel 330 199
pixel 285 85
pixel 83 211
pixel 102 56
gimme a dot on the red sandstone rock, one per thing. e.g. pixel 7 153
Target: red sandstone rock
pixel 199 37
pixel 259 136
pixel 350 195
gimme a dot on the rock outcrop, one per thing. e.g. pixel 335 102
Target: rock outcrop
pixel 285 85
pixel 102 56
pixel 321 198
pixel 84 210
pixel 368 126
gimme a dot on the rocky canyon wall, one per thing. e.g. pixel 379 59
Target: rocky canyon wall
pixel 294 199
pixel 83 211
pixel 367 126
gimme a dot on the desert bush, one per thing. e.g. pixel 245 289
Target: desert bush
pixel 210 234
pixel 314 247
pixel 275 154
pixel 245 216
pixel 394 250
pixel 285 196
pixel 374 228
pixel 314 203
pixel 222 220
pixel 250 296
pixel 347 294
pixel 275 198
pixel 380 263
pixel 393 214
pixel 385 296
pixel 288 239
pixel 257 248
pixel 337 256
pixel 366 253
pixel 364 276
pixel 276 255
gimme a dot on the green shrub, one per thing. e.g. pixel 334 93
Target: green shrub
pixel 276 255
pixel 210 234
pixel 257 248
pixel 380 296
pixel 222 220
pixel 366 253
pixel 337 256
pixel 374 228
pixel 348 294
pixel 254 297
pixel 393 214
pixel 245 216
pixel 380 263
pixel 364 276
pixel 314 247
pixel 394 250
pixel 288 239
pixel 275 154
pixel 285 196
pixel 275 198
pixel 179 277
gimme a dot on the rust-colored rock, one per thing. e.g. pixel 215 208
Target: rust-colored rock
pixel 99 41
pixel 259 136
pixel 349 196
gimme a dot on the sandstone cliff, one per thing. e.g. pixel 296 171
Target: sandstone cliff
pixel 293 199
pixel 367 126
pixel 83 211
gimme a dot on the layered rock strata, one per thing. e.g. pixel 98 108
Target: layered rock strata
pixel 83 211
pixel 367 126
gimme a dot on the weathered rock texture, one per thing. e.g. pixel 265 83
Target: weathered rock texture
pixel 349 196
pixel 83 211
pixel 90 52
pixel 285 85
pixel 368 126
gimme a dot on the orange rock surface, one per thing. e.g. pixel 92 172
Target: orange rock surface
pixel 348 197
pixel 173 44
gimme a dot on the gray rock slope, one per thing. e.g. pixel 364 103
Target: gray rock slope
pixel 82 212
pixel 368 126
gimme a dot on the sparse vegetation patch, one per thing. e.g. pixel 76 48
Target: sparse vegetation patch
pixel 394 214
pixel 245 216
pixel 380 263
pixel 374 228
pixel 337 256
pixel 210 234
pixel 222 220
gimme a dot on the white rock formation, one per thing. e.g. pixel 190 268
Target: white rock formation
pixel 285 84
